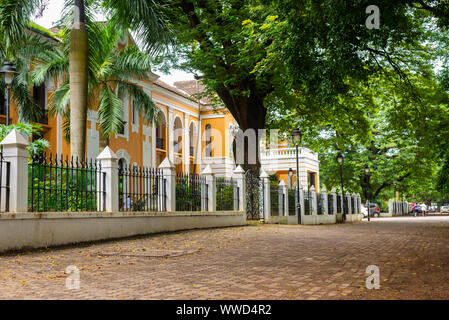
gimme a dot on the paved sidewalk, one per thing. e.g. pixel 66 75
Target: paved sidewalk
pixel 253 262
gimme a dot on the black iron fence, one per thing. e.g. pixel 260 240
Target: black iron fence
pixel 226 194
pixel 330 204
pixel 292 194
pixel 339 204
pixel 191 191
pixel 70 185
pixel 141 189
pixel 277 207
pixel 307 203
pixel 5 169
pixel 320 203
pixel 345 205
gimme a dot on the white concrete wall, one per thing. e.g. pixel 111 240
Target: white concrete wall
pixel 28 230
pixel 319 219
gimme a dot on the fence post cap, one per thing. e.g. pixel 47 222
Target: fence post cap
pixel 15 138
pixel 348 194
pixel 263 174
pixel 166 164
pixel 207 171
pixel 239 170
pixel 333 190
pixel 323 190
pixel 107 154
pixel 282 183
pixel 312 188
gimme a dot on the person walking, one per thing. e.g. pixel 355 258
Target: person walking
pixel 423 209
pixel 414 208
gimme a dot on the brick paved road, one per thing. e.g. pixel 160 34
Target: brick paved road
pixel 253 262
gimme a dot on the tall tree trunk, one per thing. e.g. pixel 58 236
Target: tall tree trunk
pixel 78 81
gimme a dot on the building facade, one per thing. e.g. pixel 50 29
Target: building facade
pixel 190 131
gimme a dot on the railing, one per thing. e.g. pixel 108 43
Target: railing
pixel 191 190
pixel 226 193
pixel 320 204
pixel 307 204
pixel 292 194
pixel 330 204
pixel 286 153
pixel 339 208
pixel 58 185
pixel 276 205
pixel 192 151
pixel 5 170
pixel 141 189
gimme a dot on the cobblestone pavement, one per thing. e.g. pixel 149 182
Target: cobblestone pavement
pixel 252 262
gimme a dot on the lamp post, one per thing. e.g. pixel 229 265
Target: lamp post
pixel 367 191
pixel 8 72
pixel 297 138
pixel 340 163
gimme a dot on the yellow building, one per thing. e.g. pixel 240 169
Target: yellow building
pixel 192 133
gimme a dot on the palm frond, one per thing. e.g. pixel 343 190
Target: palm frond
pixel 146 18
pixel 142 101
pixel 110 112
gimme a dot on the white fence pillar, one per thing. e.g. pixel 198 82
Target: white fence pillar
pixel 348 201
pixel 283 198
pixel 390 207
pixel 313 201
pixel 334 201
pixel 239 176
pixel 342 200
pixel 16 154
pixel 266 214
pixel 109 165
pixel 210 189
pixel 168 171
pixel 324 196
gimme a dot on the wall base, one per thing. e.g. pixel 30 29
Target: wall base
pixel 31 230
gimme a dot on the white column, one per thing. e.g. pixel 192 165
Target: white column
pixel 301 201
pixel 325 202
pixel 109 165
pixel 15 152
pixel 170 126
pixel 186 148
pixel 211 188
pixel 283 198
pixel 153 144
pixel 390 206
pixel 168 171
pixel 313 200
pixel 266 195
pixel 239 176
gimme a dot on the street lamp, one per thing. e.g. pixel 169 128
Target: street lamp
pixel 297 139
pixel 367 191
pixel 8 72
pixel 340 162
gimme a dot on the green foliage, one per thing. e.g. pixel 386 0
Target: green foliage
pixel 225 194
pixel 61 189
pixel 188 195
pixel 37 146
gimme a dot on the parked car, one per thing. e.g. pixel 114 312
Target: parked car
pixel 374 210
pixel 444 209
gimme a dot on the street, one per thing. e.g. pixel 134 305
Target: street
pixel 251 262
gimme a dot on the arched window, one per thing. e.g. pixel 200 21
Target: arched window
pixel 208 138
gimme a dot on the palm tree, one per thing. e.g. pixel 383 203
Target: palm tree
pixel 145 17
pixel 78 56
pixel 112 72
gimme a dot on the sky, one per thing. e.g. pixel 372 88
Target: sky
pixel 52 14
